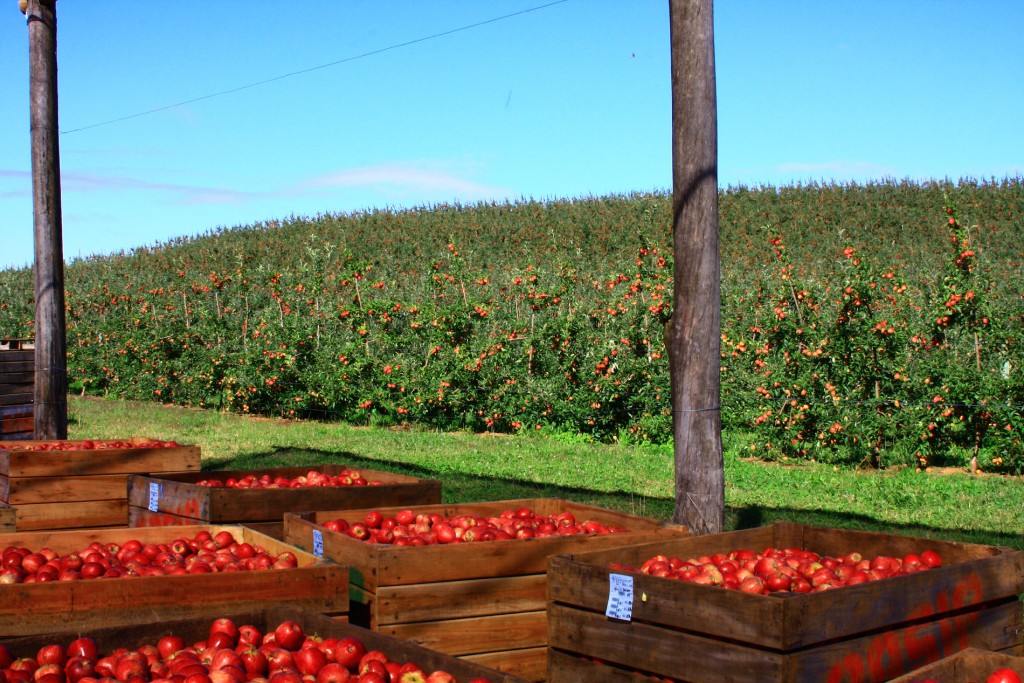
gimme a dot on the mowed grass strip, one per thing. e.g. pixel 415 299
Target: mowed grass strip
pixel 634 479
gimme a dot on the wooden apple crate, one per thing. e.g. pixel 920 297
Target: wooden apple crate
pixel 71 489
pixel 967 666
pixel 865 633
pixel 194 629
pixel 158 500
pixel 482 601
pixel 39 608
pixel 17 384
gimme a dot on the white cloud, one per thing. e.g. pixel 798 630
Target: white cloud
pixel 405 178
pixel 837 168
pixel 402 182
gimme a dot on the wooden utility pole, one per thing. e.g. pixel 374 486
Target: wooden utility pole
pixel 693 333
pixel 51 402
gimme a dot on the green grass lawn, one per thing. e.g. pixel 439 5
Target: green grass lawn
pixel 638 480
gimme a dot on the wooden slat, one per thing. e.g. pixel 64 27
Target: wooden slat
pixel 966 666
pixel 16 398
pixel 10 377
pixel 21 490
pixel 141 517
pixel 17 355
pixel 869 659
pixel 564 667
pixel 7 519
pixel 17 366
pixel 17 425
pixel 460 599
pixel 530 664
pixel 37 516
pixel 476 635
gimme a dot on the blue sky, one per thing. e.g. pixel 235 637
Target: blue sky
pixel 568 100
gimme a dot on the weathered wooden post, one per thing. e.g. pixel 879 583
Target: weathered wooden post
pixel 51 403
pixel 693 334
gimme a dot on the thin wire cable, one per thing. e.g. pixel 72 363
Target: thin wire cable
pixel 315 68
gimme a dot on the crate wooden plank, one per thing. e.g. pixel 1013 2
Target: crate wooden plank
pixel 971 575
pixel 529 663
pixel 695 658
pixel 178 494
pixel 16 398
pixel 8 523
pixel 967 666
pixel 20 490
pixel 459 599
pixel 38 608
pixel 194 629
pixel 16 353
pixel 140 517
pixel 72 515
pixel 477 634
pixel 563 666
pixel 16 426
pixel 20 463
pixel 383 565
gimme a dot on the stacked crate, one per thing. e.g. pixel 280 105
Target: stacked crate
pixel 28 609
pixel 662 628
pixel 196 628
pixel 73 486
pixel 482 601
pixel 17 386
pixel 159 500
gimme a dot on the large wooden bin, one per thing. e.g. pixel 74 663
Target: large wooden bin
pixel 866 633
pixel 483 601
pixel 50 607
pixel 967 666
pixel 157 500
pixel 74 487
pixel 195 629
pixel 17 386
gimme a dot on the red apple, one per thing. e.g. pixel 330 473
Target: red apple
pixel 309 660
pixel 333 672
pixel 289 635
pixel 350 652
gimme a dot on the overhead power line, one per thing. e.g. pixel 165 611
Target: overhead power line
pixel 290 74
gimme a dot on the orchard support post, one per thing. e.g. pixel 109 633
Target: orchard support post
pixel 693 333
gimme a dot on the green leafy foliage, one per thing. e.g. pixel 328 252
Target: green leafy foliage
pixel 876 324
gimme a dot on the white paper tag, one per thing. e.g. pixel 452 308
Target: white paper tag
pixel 154 497
pixel 620 597
pixel 318 543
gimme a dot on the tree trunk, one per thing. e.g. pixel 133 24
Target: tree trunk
pixel 693 333
pixel 51 402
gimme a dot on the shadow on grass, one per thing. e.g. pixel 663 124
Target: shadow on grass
pixel 459 487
